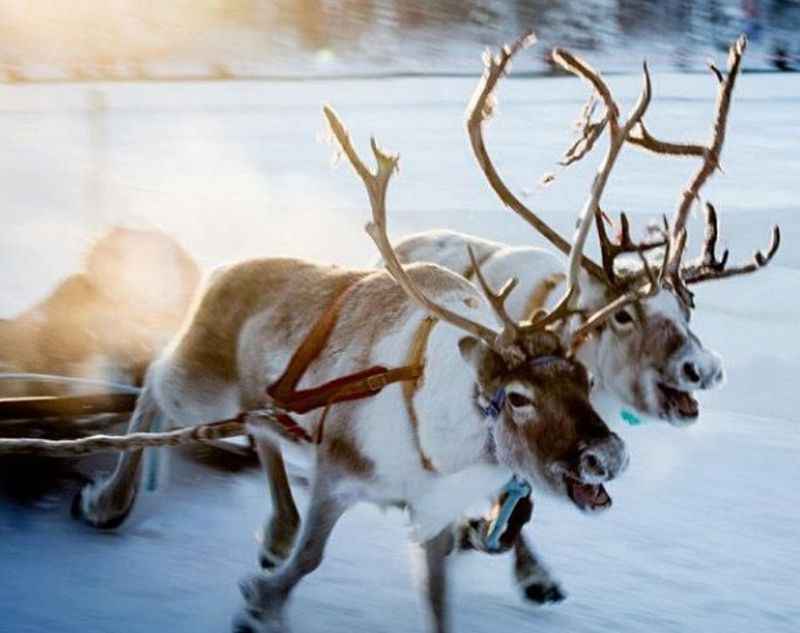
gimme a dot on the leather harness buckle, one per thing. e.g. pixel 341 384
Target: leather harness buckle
pixel 377 382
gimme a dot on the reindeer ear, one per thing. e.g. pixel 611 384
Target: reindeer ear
pixel 468 346
pixel 485 363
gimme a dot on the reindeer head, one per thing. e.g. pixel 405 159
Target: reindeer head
pixel 643 348
pixel 647 355
pixel 545 426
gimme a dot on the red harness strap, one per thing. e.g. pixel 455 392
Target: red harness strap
pixel 355 386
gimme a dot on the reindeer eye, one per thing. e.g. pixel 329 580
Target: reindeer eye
pixel 518 400
pixel 623 317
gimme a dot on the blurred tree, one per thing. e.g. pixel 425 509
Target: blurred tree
pixel 636 16
pixel 535 14
pixel 310 22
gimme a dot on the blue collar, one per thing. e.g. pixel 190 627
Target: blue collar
pixel 495 406
pixel 546 360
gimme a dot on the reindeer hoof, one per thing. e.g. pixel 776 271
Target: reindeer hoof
pixel 83 509
pixel 264 605
pixel 253 621
pixel 267 562
pixel 245 623
pixel 545 593
pixel 270 560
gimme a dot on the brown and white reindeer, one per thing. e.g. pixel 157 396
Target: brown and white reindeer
pixel 489 396
pixel 646 354
pixel 107 322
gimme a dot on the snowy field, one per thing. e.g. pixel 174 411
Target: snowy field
pixel 703 535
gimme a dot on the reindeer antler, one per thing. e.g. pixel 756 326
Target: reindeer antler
pixel 496 300
pixel 619 133
pixel 710 163
pixel 503 342
pixel 708 267
pixel 480 109
pixel 624 244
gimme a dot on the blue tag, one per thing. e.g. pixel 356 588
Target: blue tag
pixel 516 489
pixel 629 417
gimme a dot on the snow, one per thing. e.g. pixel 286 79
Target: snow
pixel 703 532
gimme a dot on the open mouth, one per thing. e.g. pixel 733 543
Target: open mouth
pixel 680 402
pixel 588 497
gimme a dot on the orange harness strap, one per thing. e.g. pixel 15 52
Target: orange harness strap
pixel 355 386
pixel 283 390
pixel 416 358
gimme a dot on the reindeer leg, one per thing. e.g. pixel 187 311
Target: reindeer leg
pixel 266 594
pixel 532 576
pixel 105 504
pixel 436 552
pixel 281 528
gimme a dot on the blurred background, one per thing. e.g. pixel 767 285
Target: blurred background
pixel 202 119
pixel 130 39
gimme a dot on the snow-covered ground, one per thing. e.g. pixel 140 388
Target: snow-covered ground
pixel 703 535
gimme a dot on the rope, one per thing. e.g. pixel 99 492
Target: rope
pixel 132 441
pixel 118 386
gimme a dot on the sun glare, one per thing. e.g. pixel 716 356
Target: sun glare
pixel 97 31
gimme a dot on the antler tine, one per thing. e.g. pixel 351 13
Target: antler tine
pixel 677 246
pixel 710 243
pixel 496 299
pixel 664 267
pixel 589 130
pixel 711 154
pixel 775 243
pixel 611 250
pixel 376 185
pixel 578 67
pixel 606 247
pixel 641 137
pixel 708 267
pixel 481 108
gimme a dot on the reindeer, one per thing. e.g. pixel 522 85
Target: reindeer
pixel 107 322
pixel 488 396
pixel 645 354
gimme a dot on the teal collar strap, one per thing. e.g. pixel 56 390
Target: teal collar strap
pixel 630 418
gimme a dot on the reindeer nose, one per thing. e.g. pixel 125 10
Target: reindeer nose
pixel 592 463
pixel 690 372
pixel 703 373
pixel 604 459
